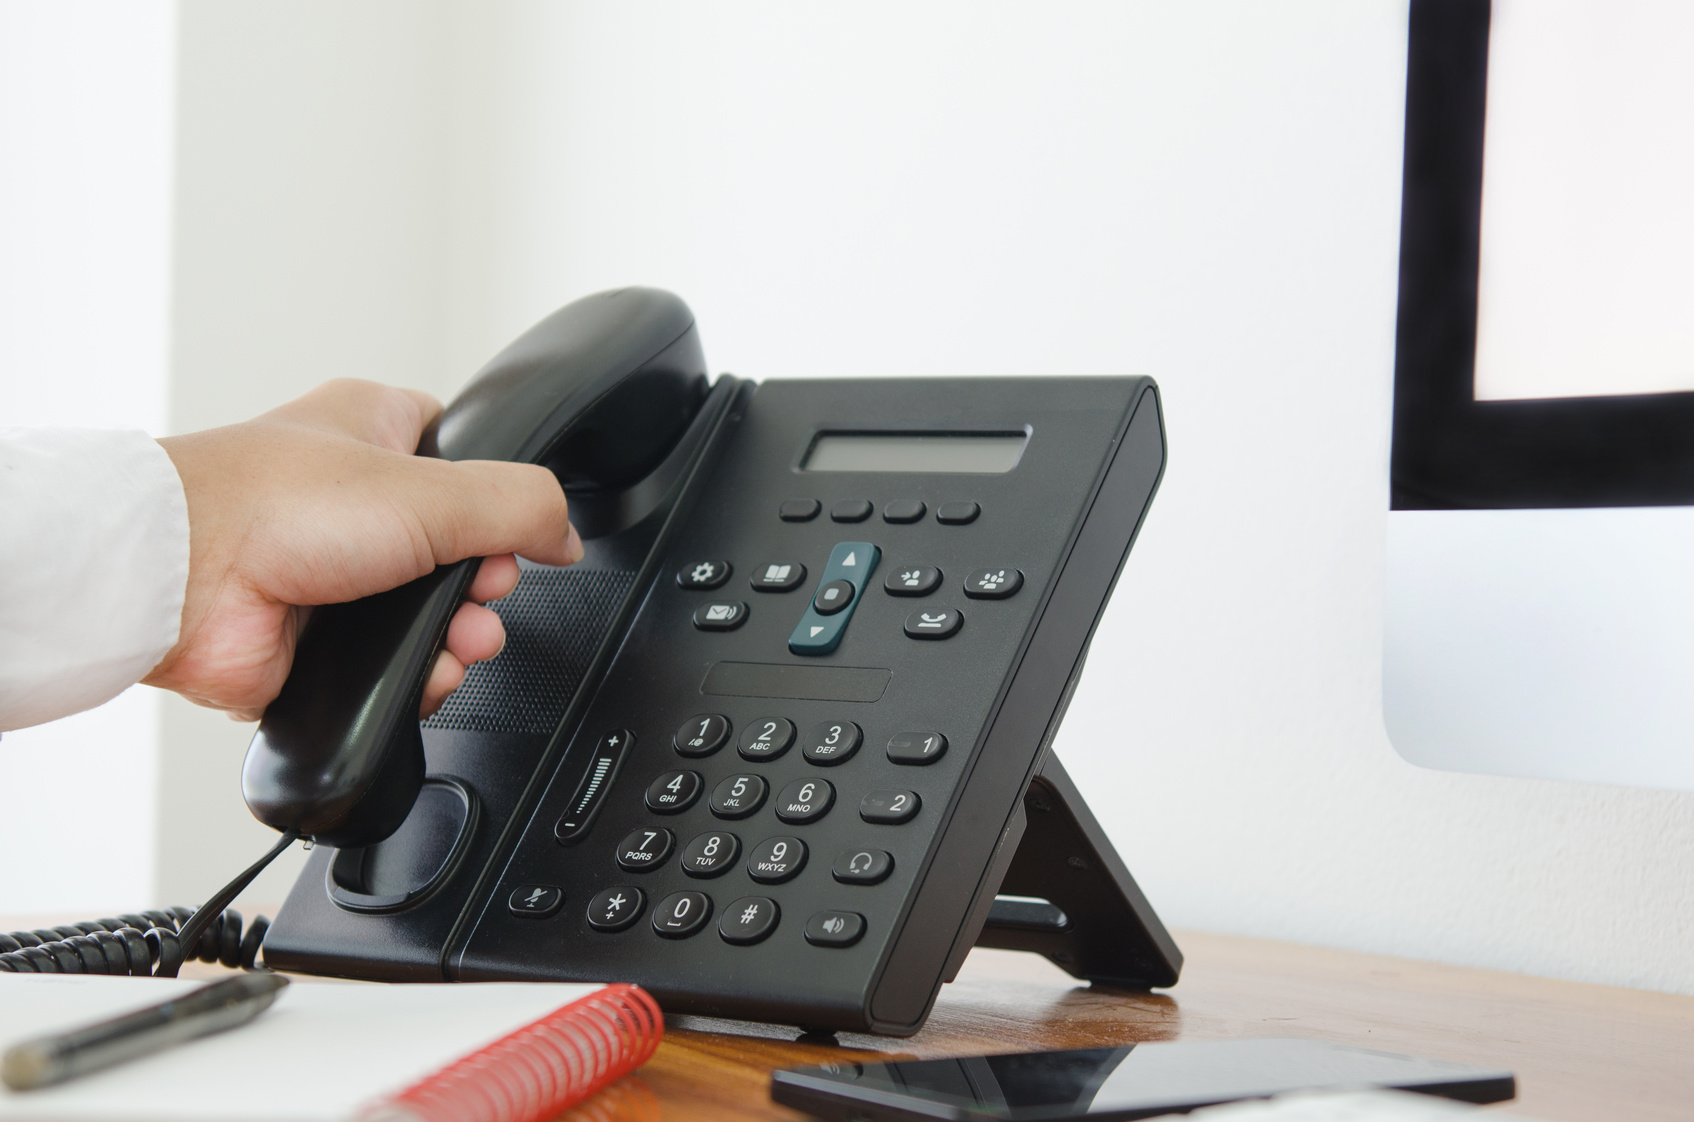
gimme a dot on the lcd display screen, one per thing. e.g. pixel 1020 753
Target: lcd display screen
pixel 955 452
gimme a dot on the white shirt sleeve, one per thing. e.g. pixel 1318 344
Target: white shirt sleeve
pixel 93 567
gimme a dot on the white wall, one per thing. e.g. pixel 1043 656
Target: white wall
pixel 1204 192
pixel 85 182
pixel 310 239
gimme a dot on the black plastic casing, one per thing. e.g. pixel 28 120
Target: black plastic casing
pixel 1065 516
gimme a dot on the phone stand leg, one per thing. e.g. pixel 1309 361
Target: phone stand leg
pixel 1067 895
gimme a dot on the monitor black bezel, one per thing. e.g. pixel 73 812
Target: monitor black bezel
pixel 1451 451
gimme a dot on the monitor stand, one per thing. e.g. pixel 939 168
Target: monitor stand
pixel 1067 895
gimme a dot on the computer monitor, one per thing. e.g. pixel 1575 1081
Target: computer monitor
pixel 1540 576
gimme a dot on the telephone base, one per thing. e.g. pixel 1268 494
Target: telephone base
pixel 1068 896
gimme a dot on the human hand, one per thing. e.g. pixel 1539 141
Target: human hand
pixel 322 501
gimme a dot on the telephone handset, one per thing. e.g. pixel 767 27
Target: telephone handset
pixel 599 392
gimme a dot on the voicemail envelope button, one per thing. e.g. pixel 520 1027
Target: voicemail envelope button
pixel 723 616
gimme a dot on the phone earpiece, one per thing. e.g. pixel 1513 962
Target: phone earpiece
pixel 600 392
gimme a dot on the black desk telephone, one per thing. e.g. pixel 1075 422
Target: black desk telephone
pixel 778 747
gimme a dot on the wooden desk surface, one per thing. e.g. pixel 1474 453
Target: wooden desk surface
pixel 1580 1052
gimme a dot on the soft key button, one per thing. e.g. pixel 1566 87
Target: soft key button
pixel 957 514
pixel 846 576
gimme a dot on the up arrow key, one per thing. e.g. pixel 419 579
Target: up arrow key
pixel 852 560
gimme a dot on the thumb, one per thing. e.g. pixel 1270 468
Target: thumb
pixel 479 508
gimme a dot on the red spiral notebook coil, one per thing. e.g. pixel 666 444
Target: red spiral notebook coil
pixel 539 1070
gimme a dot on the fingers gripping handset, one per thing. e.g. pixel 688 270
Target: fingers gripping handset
pixel 599 392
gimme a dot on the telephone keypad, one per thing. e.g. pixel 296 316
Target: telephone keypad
pixel 710 854
pixel 889 807
pixel 832 742
pixel 702 735
pixel 739 795
pixel 748 920
pixel 767 738
pixel 616 908
pixel 912 580
pixel 645 849
pixel 681 914
pixel 674 792
pixel 703 575
pixel 863 866
pixel 805 800
pixel 775 860
pixel 835 929
pixel 935 623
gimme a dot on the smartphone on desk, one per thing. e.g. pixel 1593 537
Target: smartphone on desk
pixel 1130 1081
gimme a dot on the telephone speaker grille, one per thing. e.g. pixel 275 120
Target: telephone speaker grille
pixel 555 620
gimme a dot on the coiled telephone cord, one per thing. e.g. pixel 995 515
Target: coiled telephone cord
pixel 130 944
pixel 149 944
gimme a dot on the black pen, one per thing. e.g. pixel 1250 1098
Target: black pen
pixel 65 1055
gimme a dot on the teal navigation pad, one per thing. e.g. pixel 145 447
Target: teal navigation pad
pixel 819 631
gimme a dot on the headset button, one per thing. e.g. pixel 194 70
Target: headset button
pixel 863 866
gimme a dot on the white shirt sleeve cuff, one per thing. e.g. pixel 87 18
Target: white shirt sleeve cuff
pixel 94 562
